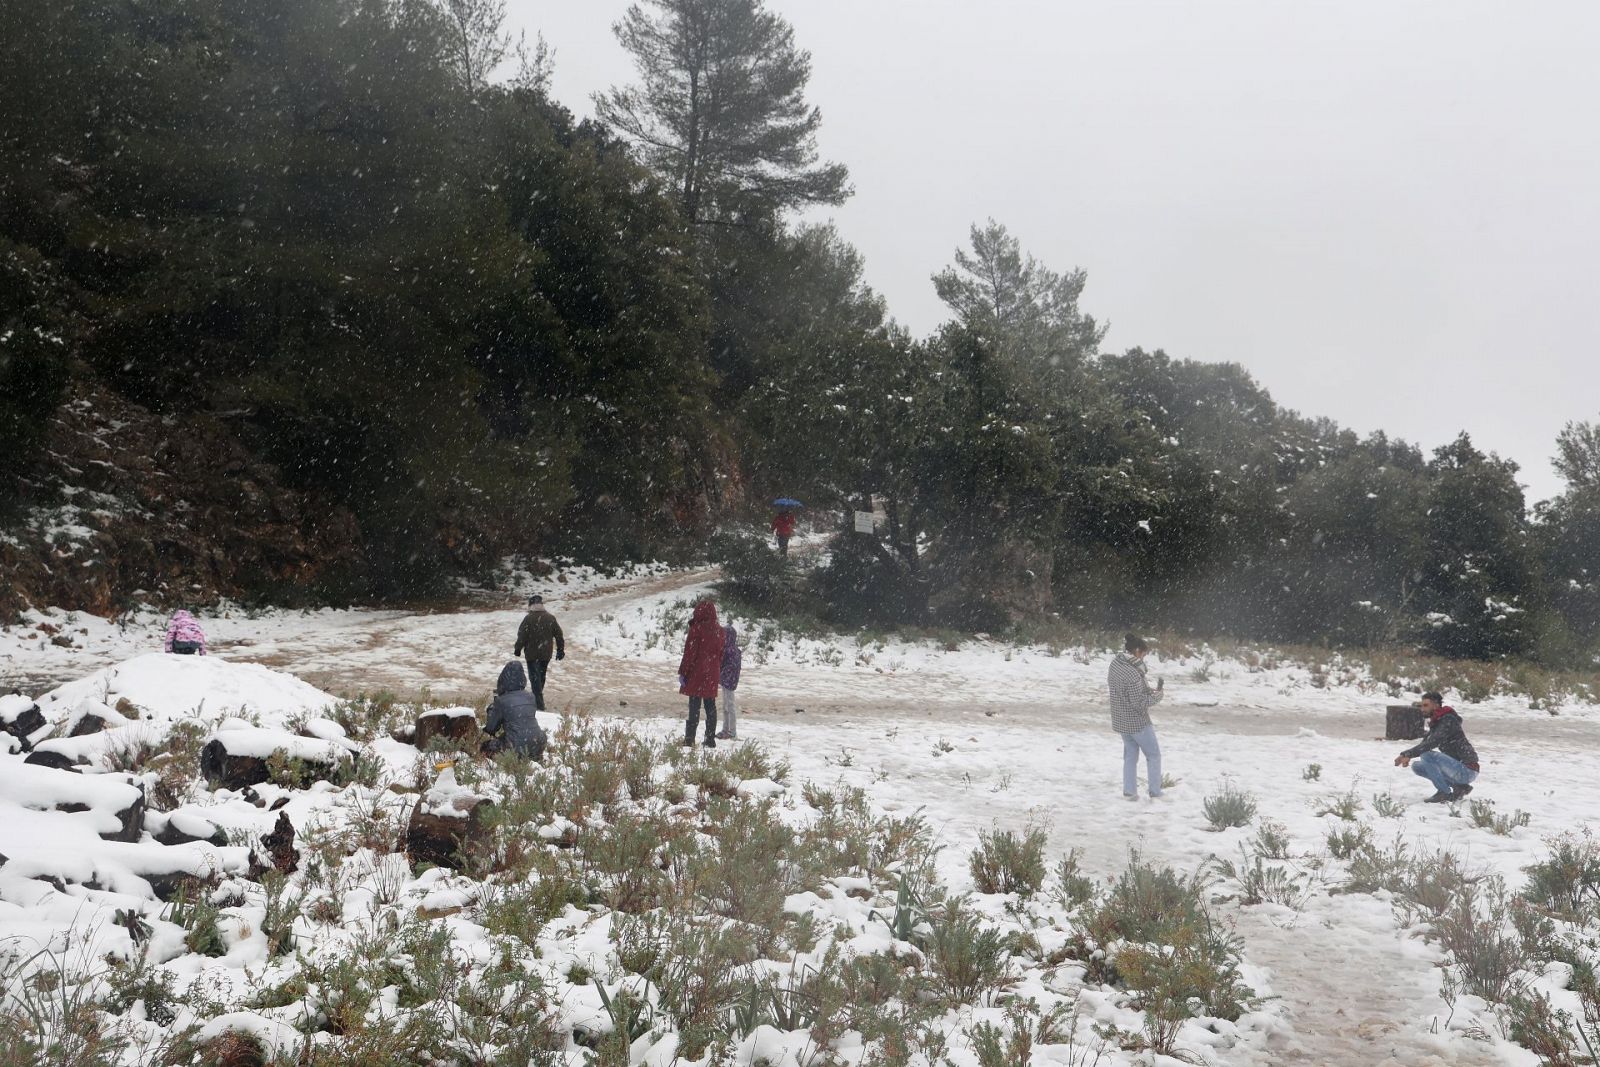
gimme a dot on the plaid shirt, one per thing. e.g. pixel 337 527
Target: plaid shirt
pixel 1131 695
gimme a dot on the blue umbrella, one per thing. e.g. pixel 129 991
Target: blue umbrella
pixel 787 502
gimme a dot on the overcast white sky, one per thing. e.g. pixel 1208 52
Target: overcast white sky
pixel 1389 212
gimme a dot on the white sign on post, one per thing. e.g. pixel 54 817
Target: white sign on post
pixel 864 522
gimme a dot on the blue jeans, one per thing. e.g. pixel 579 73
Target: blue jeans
pixel 1445 772
pixel 1133 744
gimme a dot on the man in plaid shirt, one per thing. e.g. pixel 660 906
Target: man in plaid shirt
pixel 1131 699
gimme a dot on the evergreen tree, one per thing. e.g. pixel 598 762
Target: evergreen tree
pixel 475 41
pixel 1578 455
pixel 1477 582
pixel 1025 312
pixel 720 109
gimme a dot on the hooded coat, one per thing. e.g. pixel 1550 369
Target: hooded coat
pixel 701 666
pixel 514 711
pixel 732 657
pixel 183 627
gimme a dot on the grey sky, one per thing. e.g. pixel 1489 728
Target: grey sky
pixel 1388 212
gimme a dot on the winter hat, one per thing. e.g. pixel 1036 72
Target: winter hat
pixel 536 599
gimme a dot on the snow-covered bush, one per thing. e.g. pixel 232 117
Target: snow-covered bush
pixel 1229 807
pixel 1007 862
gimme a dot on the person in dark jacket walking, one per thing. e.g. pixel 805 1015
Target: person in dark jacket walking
pixel 513 716
pixel 540 635
pixel 1444 756
pixel 1131 700
pixel 732 664
pixel 700 670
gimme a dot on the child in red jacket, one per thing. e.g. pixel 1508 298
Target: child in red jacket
pixel 700 671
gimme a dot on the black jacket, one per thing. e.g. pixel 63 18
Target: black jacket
pixel 1446 735
pixel 540 634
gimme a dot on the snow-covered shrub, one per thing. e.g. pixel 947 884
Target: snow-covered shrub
pixel 753 571
pixel 1345 805
pixel 49 1013
pixel 1534 1022
pixel 1494 962
pixel 1484 817
pixel 1373 868
pixel 749 868
pixel 1230 807
pixel 1073 888
pixel 1431 883
pixel 1386 806
pixel 1272 839
pixel 365 717
pixel 1007 862
pixel 702 969
pixel 1568 882
pixel 1025 1025
pixel 967 958
pixel 1344 841
pixel 1195 971
pixel 1145 901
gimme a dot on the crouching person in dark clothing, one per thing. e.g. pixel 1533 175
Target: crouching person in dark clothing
pixel 513 721
pixel 1444 757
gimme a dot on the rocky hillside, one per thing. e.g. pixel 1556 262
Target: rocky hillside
pixel 130 507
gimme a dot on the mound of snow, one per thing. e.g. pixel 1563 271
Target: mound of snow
pixel 204 687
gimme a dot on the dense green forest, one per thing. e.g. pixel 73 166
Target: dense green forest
pixel 360 239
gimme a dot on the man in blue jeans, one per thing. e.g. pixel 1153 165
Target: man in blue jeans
pixel 1131 699
pixel 1444 757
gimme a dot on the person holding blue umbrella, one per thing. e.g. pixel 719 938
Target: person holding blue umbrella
pixel 783 521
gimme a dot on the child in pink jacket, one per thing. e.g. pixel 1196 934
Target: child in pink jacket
pixel 184 635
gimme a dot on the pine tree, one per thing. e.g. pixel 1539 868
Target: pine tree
pixel 1026 312
pixel 720 109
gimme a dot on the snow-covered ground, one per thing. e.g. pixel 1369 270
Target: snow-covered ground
pixel 985 736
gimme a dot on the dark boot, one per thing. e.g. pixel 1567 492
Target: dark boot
pixel 1462 790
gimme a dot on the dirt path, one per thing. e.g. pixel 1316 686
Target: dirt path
pixel 1353 1000
pixel 453 657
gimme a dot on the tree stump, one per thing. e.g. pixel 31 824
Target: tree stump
pixel 90 721
pixel 1403 722
pixel 280 845
pixel 185 828
pixel 224 769
pixel 54 760
pixel 449 834
pixel 132 818
pixel 458 726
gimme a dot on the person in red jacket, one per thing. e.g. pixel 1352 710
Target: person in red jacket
pixel 783 527
pixel 700 670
